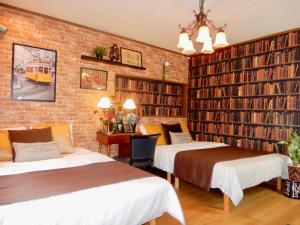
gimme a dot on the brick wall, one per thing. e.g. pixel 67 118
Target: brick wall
pixel 73 105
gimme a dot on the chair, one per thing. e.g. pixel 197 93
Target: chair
pixel 142 151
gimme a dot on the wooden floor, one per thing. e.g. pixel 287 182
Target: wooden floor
pixel 261 205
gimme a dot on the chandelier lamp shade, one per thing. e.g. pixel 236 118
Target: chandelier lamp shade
pixel 203 27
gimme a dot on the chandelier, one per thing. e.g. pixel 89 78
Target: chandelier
pixel 202 25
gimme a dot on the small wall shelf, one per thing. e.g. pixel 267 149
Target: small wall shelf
pixel 94 59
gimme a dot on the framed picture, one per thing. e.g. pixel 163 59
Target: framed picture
pixel 131 57
pixel 93 79
pixel 33 73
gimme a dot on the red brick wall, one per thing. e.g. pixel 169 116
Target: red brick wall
pixel 73 105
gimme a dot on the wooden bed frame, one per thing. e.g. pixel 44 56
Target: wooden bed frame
pixel 226 199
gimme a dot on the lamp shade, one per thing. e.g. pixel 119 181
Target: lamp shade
pixel 207 47
pixel 183 39
pixel 189 49
pixel 129 104
pixel 220 41
pixel 104 103
pixel 203 34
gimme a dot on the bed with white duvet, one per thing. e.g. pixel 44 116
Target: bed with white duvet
pixel 131 202
pixel 231 177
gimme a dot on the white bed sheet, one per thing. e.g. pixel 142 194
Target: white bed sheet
pixel 231 177
pixel 126 203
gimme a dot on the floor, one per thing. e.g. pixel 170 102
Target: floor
pixel 261 205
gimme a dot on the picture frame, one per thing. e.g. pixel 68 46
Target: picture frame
pixel 131 57
pixel 33 73
pixel 120 127
pixel 93 79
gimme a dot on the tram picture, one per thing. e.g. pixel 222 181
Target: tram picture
pixel 39 72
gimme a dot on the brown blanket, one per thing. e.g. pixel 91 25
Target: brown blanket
pixel 42 184
pixel 196 166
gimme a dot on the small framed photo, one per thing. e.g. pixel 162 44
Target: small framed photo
pixel 33 73
pixel 120 128
pixel 131 57
pixel 93 79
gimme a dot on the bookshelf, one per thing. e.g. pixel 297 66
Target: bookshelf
pixel 153 97
pixel 247 94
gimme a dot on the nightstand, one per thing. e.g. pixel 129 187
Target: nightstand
pixel 122 139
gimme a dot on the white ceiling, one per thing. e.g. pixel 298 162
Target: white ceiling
pixel 156 21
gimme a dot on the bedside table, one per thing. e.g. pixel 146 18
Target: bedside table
pixel 122 139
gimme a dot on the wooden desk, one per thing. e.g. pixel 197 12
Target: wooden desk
pixel 122 139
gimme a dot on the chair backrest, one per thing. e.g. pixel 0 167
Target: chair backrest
pixel 143 146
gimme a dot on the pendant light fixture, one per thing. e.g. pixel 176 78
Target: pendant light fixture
pixel 203 26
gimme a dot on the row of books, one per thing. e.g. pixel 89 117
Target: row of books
pixel 148 86
pixel 249 118
pixel 270 75
pixel 275 58
pixel 262 46
pixel 267 146
pixel 146 98
pixel 259 132
pixel 289 69
pixel 159 111
pixel 289 88
pixel 255 103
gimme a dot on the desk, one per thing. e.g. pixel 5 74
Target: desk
pixel 122 139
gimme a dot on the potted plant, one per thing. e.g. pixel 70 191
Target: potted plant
pixel 293 147
pixel 100 51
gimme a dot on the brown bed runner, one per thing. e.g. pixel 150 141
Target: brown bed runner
pixel 42 184
pixel 196 166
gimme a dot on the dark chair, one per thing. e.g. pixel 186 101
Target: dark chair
pixel 142 151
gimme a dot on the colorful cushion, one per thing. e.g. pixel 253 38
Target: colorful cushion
pixel 62 136
pixel 27 152
pixel 6 152
pixel 156 129
pixel 180 138
pixel 166 128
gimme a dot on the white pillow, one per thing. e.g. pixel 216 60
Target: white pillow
pixel 27 152
pixel 180 137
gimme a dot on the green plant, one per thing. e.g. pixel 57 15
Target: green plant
pixel 100 51
pixel 293 147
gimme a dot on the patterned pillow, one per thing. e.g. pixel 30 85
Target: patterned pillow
pixel 180 138
pixel 27 152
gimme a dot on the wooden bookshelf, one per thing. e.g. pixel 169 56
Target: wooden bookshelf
pixel 153 97
pixel 248 94
pixel 106 61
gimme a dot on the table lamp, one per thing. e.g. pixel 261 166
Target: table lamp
pixel 104 104
pixel 132 119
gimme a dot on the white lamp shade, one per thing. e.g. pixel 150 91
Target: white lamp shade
pixel 129 104
pixel 183 39
pixel 207 47
pixel 220 41
pixel 104 103
pixel 203 34
pixel 189 48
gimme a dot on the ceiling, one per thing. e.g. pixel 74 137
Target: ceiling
pixel 156 21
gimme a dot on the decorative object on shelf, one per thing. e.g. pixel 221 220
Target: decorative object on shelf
pixel 3 28
pixel 99 52
pixel 293 147
pixel 119 122
pixel 114 53
pixel 131 57
pixel 93 79
pixel 165 69
pixel 132 119
pixel 203 26
pixel 33 74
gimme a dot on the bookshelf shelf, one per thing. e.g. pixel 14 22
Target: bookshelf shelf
pixel 153 97
pixel 248 94
pixel 106 61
